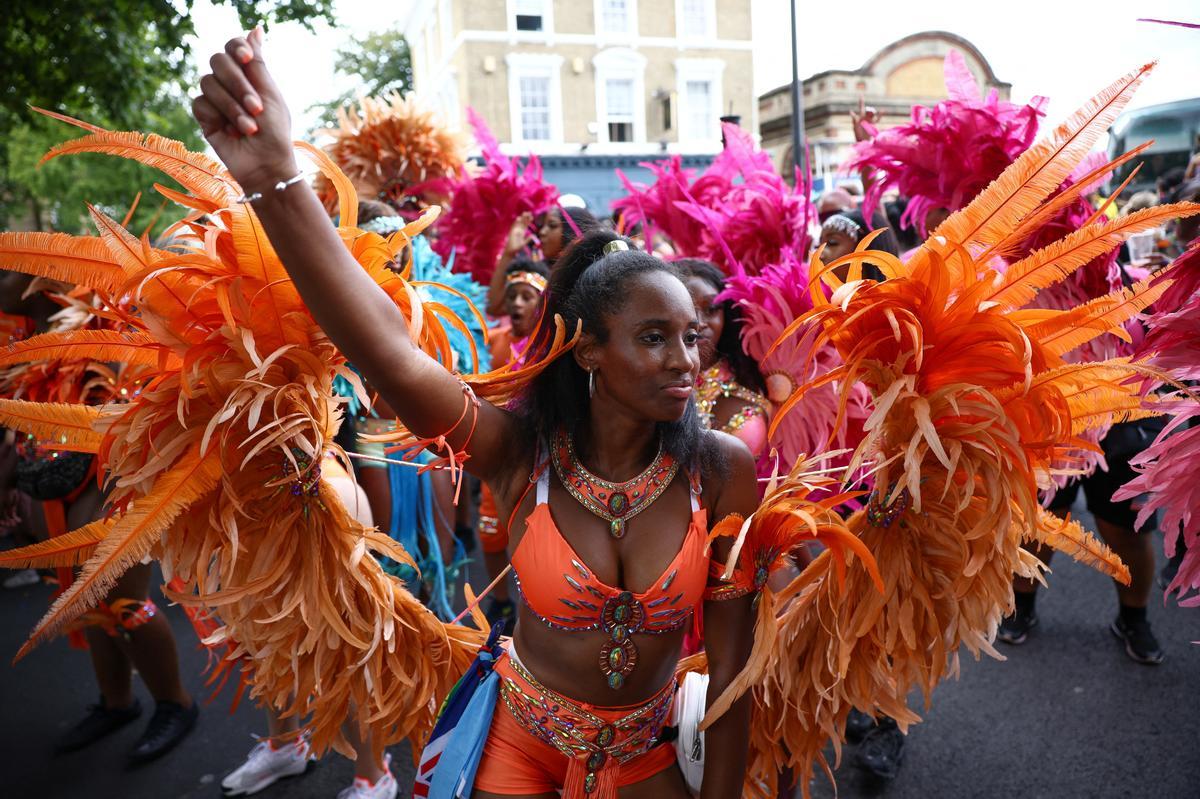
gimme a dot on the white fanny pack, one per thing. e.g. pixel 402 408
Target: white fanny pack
pixel 690 701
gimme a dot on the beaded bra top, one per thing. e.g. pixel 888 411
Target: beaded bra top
pixel 560 589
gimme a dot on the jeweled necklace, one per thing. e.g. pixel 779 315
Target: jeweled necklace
pixel 616 503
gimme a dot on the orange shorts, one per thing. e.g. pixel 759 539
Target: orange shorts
pixel 516 763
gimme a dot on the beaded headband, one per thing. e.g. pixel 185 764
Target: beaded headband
pixel 384 225
pixel 532 278
pixel 840 223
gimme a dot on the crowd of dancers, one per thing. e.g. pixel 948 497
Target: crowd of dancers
pixel 745 467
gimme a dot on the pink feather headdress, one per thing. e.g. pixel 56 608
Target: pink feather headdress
pixel 485 205
pixel 950 152
pixel 739 214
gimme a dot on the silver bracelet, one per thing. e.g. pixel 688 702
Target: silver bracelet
pixel 280 186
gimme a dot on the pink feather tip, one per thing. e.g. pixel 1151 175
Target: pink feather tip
pixel 950 152
pixel 484 207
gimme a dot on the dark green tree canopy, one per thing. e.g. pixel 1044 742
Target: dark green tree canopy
pixel 111 56
pixel 122 64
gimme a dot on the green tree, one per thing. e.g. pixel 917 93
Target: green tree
pixel 380 62
pixel 122 64
pixel 55 195
pixel 111 55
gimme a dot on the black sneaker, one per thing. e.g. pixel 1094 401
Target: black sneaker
pixel 504 610
pixel 1140 643
pixel 99 722
pixel 1015 629
pixel 169 725
pixel 858 724
pixel 882 749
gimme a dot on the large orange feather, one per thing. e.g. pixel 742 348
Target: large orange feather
pixel 132 347
pixel 66 427
pixel 1055 262
pixel 80 260
pixel 61 551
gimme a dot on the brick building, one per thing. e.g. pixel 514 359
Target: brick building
pixel 590 85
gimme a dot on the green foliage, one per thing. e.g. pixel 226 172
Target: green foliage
pixel 121 64
pixel 110 55
pixel 54 195
pixel 380 63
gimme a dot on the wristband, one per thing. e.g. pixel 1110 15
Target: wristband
pixel 280 186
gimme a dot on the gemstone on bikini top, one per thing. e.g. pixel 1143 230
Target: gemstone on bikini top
pixel 605 736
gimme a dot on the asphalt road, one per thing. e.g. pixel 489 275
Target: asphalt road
pixel 1067 715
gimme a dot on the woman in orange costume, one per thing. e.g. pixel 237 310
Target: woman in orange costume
pixel 628 421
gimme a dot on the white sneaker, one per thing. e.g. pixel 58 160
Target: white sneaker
pixel 386 788
pixel 265 766
pixel 23 579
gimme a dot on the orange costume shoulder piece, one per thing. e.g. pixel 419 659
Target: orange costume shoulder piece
pixel 972 404
pixel 217 462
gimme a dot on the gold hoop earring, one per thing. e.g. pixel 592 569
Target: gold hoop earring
pixel 591 382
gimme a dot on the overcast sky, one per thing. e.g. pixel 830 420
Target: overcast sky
pixel 1040 46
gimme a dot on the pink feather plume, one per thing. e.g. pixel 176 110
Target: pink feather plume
pixel 485 206
pixel 1166 470
pixel 739 213
pixel 947 154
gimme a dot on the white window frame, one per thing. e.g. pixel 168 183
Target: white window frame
pixel 699 69
pixel 615 64
pixel 547 21
pixel 447 98
pixel 710 33
pixel 629 33
pixel 535 65
pixel 445 17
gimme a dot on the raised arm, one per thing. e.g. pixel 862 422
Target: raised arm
pixel 517 240
pixel 243 115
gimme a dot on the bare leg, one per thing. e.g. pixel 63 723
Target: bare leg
pixel 150 647
pixel 111 664
pixel 280 729
pixel 114 672
pixel 364 765
pixel 1137 552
